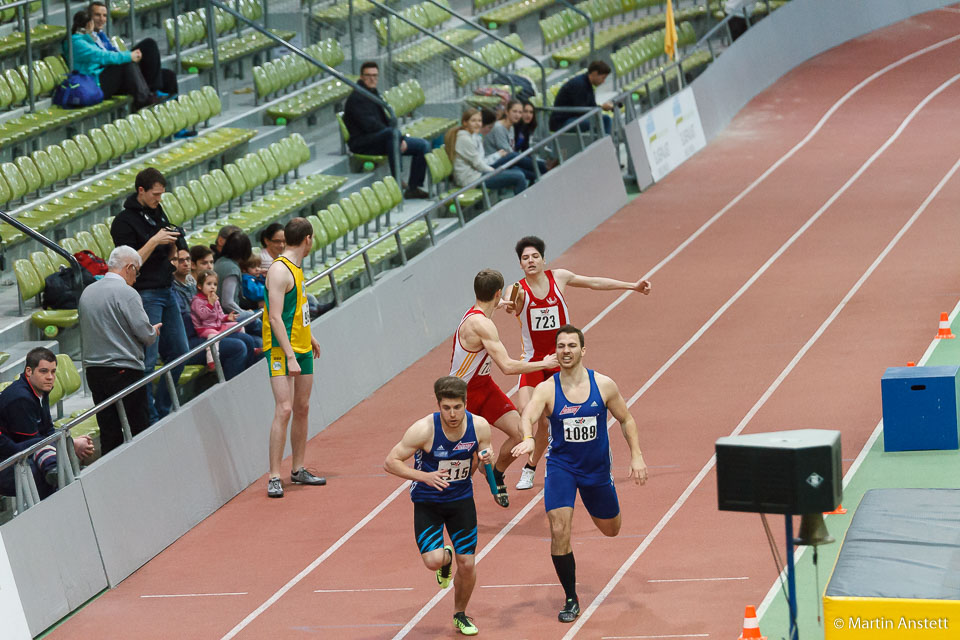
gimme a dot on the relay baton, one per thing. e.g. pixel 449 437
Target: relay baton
pixel 488 468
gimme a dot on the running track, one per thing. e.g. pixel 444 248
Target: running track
pixel 782 312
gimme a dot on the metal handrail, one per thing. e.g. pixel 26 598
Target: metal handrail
pixel 356 86
pixel 392 235
pixel 589 24
pixel 482 29
pixel 429 33
pixel 48 243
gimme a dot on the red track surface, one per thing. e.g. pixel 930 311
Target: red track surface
pixel 255 546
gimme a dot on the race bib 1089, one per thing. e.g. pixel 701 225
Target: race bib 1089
pixel 580 429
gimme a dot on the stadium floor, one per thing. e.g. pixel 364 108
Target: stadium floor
pixel 802 252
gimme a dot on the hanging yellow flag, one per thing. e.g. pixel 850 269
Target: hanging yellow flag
pixel 670 35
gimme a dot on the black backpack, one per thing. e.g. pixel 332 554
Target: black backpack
pixel 59 292
pixel 523 87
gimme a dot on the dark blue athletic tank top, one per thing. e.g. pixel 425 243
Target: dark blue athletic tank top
pixel 578 433
pixel 445 454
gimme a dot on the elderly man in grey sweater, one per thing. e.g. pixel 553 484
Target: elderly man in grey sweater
pixel 115 331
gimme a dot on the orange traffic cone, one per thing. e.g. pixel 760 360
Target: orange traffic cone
pixel 944 332
pixel 839 511
pixel 911 364
pixel 751 626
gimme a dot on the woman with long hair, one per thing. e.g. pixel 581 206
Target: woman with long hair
pixel 502 140
pixel 524 129
pixel 464 146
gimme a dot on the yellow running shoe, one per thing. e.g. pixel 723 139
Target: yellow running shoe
pixel 464 625
pixel 443 573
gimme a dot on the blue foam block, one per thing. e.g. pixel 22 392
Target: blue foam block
pixel 920 408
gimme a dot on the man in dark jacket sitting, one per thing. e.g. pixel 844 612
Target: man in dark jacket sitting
pixel 373 134
pixel 578 91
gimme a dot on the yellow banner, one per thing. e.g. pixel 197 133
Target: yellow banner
pixel 670 36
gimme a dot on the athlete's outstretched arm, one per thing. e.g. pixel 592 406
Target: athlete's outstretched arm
pixel 487 332
pixel 539 402
pixel 418 437
pixel 618 407
pixel 599 283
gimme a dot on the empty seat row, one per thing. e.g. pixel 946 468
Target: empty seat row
pixel 288 199
pixel 441 171
pixel 283 73
pixel 405 98
pixel 568 21
pixel 424 50
pixel 580 49
pixel 496 54
pixel 14 82
pixel 310 100
pixel 233 49
pixel 41 35
pixel 100 145
pixel 653 81
pixel 192 25
pixel 120 184
pixel 340 11
pixel 120 9
pixel 425 14
pixel 9 15
pixel 513 11
pixel 236 179
pixel 650 47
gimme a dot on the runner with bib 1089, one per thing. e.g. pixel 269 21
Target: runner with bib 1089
pixel 576 400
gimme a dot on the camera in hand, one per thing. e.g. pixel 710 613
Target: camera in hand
pixel 182 239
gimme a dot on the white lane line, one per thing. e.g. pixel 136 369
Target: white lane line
pixel 480 556
pixel 696 336
pixel 598 600
pixel 616 302
pixel 848 477
pixel 316 563
pixel 195 595
pixel 700 579
pixel 362 590
pixel 519 586
pixel 682 635
pixel 763 176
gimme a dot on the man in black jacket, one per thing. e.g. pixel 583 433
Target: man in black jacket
pixel 143 225
pixel 372 133
pixel 578 91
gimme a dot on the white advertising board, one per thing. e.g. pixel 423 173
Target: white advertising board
pixel 13 622
pixel 672 133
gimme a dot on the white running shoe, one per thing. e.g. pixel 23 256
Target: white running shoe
pixel 526 479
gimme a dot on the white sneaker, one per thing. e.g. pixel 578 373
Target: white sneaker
pixel 526 479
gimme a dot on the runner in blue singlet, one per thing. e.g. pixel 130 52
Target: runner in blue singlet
pixel 578 456
pixel 447 446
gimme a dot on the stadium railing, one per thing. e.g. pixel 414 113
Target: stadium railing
pixel 68 466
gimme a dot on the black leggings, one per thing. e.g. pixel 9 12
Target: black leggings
pixel 158 79
pixel 141 79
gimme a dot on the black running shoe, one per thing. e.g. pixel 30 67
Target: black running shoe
pixel 303 476
pixel 570 611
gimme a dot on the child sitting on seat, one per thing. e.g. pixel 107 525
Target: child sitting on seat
pixel 254 280
pixel 205 311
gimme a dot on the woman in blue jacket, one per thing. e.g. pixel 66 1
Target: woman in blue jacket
pixel 115 71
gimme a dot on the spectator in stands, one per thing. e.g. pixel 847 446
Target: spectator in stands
pixel 161 81
pixel 201 259
pixel 502 140
pixel 236 250
pixel 254 281
pixel 144 226
pixel 465 148
pixel 25 420
pixel 238 351
pixel 206 313
pixel 115 71
pixel 580 91
pixel 371 132
pixel 225 232
pixel 117 332
pixel 524 130
pixel 184 283
pixel 272 243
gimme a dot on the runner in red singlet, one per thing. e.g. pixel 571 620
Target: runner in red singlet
pixel 477 344
pixel 541 312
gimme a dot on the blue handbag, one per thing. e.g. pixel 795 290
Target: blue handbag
pixel 78 90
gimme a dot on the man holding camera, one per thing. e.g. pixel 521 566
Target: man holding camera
pixel 143 225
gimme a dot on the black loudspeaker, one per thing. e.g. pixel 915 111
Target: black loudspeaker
pixel 797 472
